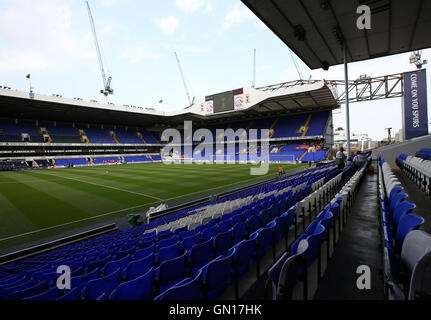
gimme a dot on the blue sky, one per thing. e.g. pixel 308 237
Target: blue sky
pixel 51 39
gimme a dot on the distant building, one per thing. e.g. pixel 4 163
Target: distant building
pixel 357 141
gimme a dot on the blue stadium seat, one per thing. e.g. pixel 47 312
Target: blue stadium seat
pixel 187 289
pixel 73 294
pixel 168 253
pixel 185 234
pixel 81 281
pixel 171 272
pixel 30 291
pixel 216 276
pixel 224 226
pixel 189 242
pixel 95 288
pixel 239 232
pixel 145 252
pixel 111 266
pixel 140 288
pixel 138 267
pixel 400 210
pixel 222 242
pixel 200 255
pixel 208 233
pixel 51 294
pixel 167 242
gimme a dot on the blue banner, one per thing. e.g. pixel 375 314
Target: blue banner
pixel 415 107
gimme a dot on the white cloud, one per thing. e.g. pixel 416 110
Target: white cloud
pixel 40 36
pixel 138 53
pixel 189 6
pixel 236 16
pixel 168 25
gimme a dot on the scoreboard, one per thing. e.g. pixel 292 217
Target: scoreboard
pixel 222 102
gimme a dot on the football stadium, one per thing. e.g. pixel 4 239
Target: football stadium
pixel 245 194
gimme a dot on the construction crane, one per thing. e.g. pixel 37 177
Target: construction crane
pixel 106 83
pixel 296 65
pixel 184 80
pixel 254 69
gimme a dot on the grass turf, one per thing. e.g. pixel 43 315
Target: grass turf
pixel 40 203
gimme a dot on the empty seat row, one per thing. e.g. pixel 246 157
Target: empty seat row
pixel 402 245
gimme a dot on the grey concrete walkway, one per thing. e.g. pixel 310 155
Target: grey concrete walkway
pixel 358 245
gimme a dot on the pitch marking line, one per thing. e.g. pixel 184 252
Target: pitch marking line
pixel 105 186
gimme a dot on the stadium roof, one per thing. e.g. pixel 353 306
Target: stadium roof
pixel 259 103
pixel 314 29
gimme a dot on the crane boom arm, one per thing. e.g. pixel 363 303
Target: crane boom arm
pixel 182 76
pixel 96 43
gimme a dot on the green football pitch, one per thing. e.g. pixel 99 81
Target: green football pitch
pixel 36 204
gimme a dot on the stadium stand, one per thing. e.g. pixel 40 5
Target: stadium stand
pixel 32 278
pixel 12 132
pixel 74 161
pixel 62 133
pixel 418 170
pixel 127 137
pixel 98 135
pixel 406 250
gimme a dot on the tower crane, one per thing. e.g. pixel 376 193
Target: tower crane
pixel 184 80
pixel 107 90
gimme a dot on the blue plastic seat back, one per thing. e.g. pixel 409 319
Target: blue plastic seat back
pixel 397 199
pixel 239 232
pixel 188 289
pixel 142 253
pixel 95 288
pixel 51 294
pixel 167 242
pixel 200 254
pixel 140 288
pixel 111 266
pixel 137 268
pixel 164 235
pixel 97 264
pixel 224 226
pixel 407 223
pixel 395 190
pixel 314 242
pixel 400 210
pixel 208 233
pixel 168 253
pixel 189 242
pixel 30 291
pixel 185 234
pixel 73 294
pixel 216 276
pixel 237 218
pixel 335 209
pixel 171 271
pixel 253 224
pixel 265 238
pixel 147 243
pixel 244 253
pixel 222 242
pixel 326 219
pixel 123 253
pixel 81 281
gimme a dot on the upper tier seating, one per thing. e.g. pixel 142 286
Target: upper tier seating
pixel 11 132
pixel 127 137
pixel 62 133
pixel 98 135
